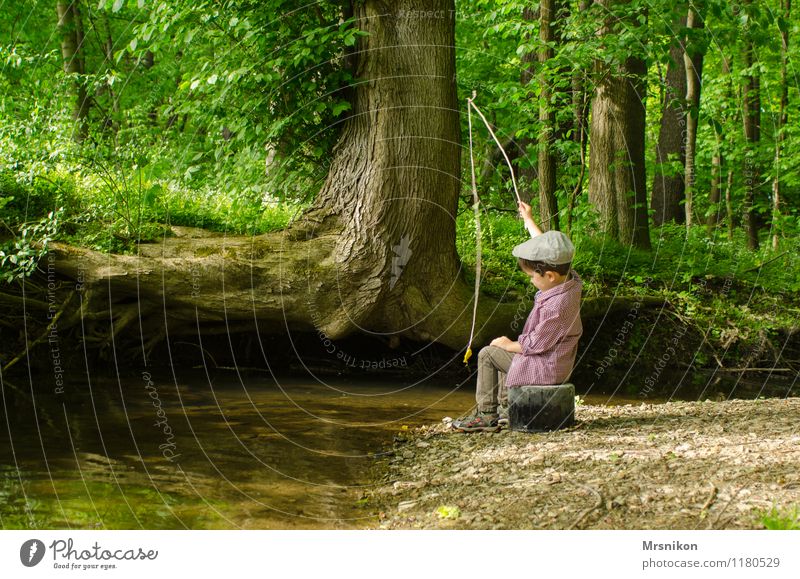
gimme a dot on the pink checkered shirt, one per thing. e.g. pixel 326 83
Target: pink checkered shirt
pixel 549 339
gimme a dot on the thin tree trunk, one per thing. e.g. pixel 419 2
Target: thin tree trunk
pixel 729 204
pixel 693 63
pixel 752 132
pixel 728 120
pixel 108 48
pixel 580 107
pixel 617 167
pixel 715 193
pixel 668 186
pixel 527 167
pixel 783 118
pixel 549 32
pixel 71 29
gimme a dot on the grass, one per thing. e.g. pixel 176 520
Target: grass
pixel 781 519
pixel 107 213
pixel 704 278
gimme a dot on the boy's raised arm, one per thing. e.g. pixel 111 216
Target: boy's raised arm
pixel 526 213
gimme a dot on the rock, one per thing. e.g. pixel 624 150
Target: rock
pixel 537 408
pixel 406 505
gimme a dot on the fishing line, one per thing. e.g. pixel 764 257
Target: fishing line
pixel 476 208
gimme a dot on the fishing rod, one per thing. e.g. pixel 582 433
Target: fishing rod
pixel 476 208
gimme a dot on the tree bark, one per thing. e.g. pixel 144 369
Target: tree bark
pixel 783 118
pixel 580 107
pixel 527 166
pixel 617 170
pixel 715 193
pixel 375 253
pixel 668 187
pixel 721 125
pixel 112 122
pixel 693 63
pixel 71 28
pixel 751 107
pixel 550 31
pixel 729 204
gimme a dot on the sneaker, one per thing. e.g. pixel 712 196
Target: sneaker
pixel 480 422
pixel 502 418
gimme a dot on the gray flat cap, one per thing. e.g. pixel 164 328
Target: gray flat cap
pixel 551 247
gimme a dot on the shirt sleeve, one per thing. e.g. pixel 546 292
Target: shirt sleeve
pixel 547 333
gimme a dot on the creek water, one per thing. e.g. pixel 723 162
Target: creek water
pixel 156 451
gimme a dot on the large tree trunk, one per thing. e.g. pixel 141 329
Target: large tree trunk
pixel 376 253
pixel 71 28
pixel 617 170
pixel 693 63
pixel 751 107
pixel 668 187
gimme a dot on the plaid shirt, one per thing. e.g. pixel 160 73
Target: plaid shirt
pixel 549 339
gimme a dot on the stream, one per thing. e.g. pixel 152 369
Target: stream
pixel 203 451
pixel 207 451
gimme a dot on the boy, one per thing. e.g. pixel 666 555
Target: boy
pixel 545 351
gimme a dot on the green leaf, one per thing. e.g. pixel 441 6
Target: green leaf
pixel 340 107
pixel 448 512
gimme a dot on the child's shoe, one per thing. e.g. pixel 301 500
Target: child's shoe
pixel 479 422
pixel 502 418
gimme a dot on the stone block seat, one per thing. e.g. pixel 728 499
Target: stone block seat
pixel 538 408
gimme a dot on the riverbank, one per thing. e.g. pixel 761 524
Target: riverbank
pixel 677 465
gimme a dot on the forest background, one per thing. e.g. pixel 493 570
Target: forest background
pixel 662 136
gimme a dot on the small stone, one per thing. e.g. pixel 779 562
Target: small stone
pixel 406 505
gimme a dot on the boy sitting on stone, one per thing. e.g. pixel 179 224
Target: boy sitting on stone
pixel 544 353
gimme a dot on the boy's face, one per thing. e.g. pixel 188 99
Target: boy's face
pixel 547 280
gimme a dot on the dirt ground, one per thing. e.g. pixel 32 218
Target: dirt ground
pixel 679 465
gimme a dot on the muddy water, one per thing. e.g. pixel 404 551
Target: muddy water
pixel 204 452
pixel 222 451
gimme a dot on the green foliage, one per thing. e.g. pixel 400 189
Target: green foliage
pixel 781 519
pixel 718 284
pixel 20 257
pixel 224 114
pixel 448 512
pixel 31 213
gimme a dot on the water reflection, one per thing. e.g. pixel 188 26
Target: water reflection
pixel 149 453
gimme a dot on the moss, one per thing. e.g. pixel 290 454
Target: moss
pixel 206 250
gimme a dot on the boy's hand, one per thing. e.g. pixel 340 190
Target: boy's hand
pixel 526 213
pixel 507 344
